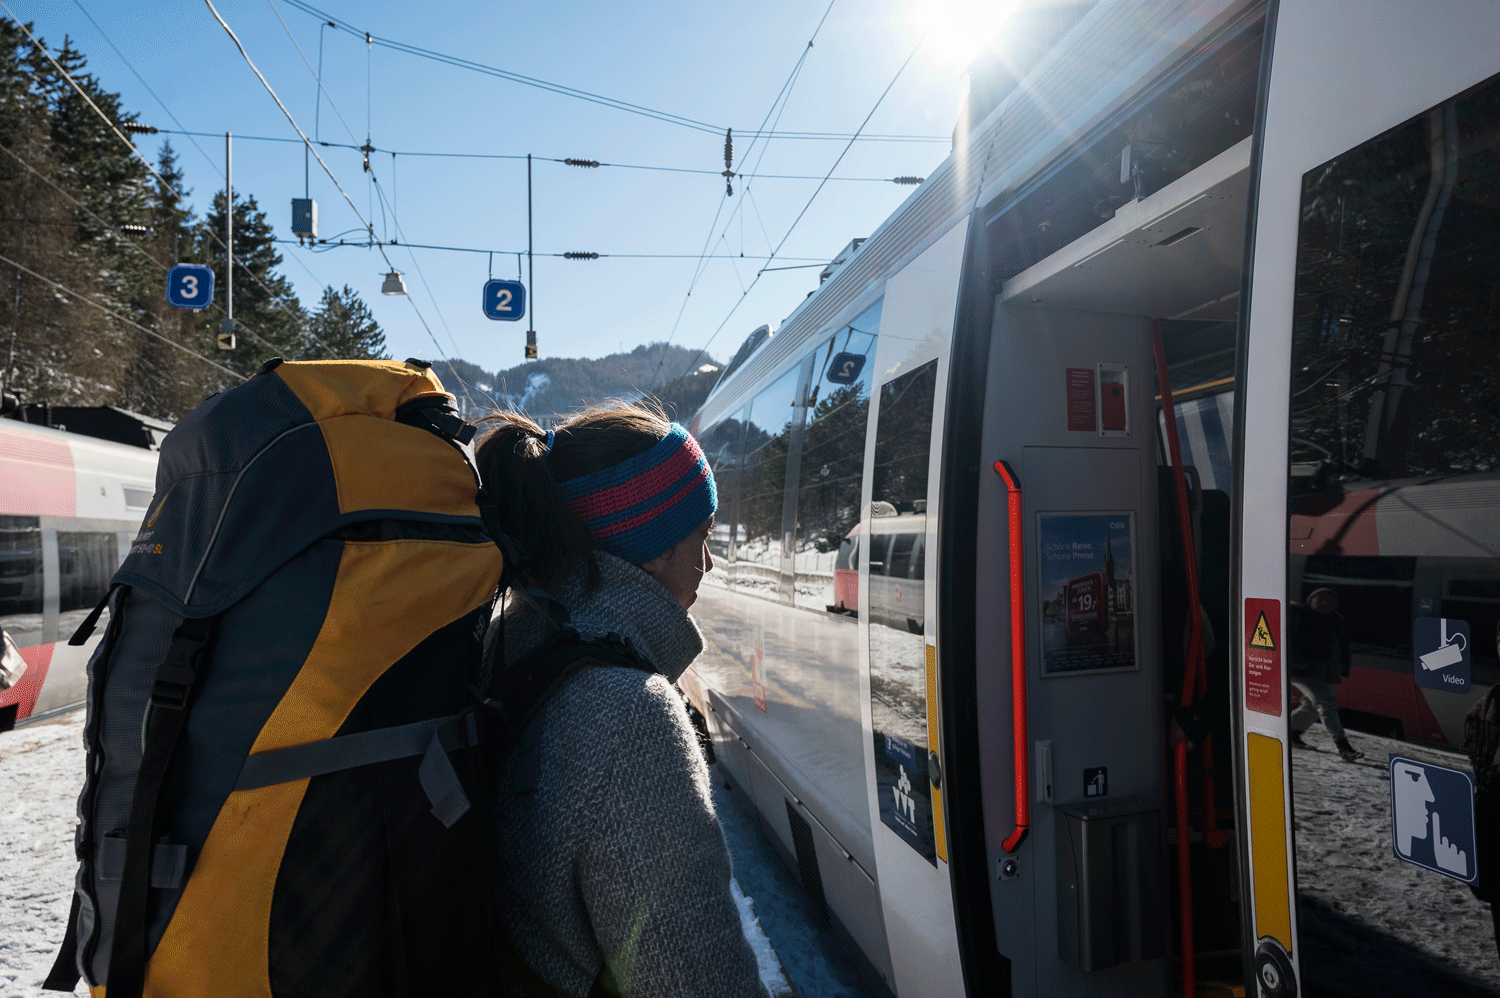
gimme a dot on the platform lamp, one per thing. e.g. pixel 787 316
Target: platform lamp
pixel 393 285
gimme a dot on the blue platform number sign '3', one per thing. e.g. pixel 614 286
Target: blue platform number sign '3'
pixel 504 300
pixel 190 285
pixel 844 368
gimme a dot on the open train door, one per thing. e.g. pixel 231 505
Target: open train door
pixel 1367 438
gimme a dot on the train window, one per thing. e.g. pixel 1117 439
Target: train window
pixel 898 649
pixel 85 563
pixel 21 578
pixel 768 438
pixel 880 550
pixel 832 466
pixel 723 445
pixel 1395 411
pixel 901 552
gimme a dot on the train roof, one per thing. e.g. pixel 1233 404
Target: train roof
pixel 104 422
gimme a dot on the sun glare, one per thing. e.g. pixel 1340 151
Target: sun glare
pixel 959 29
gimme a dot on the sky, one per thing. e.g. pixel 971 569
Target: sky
pixel 719 63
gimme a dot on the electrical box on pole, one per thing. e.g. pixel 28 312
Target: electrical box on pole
pixel 304 218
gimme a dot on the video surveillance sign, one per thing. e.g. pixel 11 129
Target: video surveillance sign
pixel 1432 818
pixel 1440 654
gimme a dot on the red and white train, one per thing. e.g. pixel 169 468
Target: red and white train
pixel 70 504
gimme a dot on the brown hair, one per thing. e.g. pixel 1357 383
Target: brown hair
pixel 521 477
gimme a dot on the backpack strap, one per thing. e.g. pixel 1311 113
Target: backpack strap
pixel 64 973
pixel 432 739
pixel 166 717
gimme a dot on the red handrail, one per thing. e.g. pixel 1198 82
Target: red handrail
pixel 1017 659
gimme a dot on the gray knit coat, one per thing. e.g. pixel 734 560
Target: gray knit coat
pixel 615 856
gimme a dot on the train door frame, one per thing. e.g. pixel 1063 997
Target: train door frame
pixel 1355 100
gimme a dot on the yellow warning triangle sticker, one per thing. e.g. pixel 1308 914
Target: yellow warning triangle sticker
pixel 1262 636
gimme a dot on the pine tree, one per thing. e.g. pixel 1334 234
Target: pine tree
pixel 343 327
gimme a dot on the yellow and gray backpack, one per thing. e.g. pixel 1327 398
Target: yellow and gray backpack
pixel 284 796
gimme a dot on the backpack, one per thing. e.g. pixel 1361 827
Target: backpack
pixel 289 734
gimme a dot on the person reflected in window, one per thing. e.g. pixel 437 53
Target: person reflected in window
pixel 1319 660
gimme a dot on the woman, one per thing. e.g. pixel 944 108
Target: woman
pixel 613 873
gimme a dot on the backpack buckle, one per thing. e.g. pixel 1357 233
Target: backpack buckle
pixel 174 680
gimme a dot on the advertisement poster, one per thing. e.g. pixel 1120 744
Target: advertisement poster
pixel 1087 592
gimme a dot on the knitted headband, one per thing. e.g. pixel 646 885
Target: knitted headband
pixel 644 505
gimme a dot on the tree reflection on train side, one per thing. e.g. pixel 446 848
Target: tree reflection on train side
pixel 1394 482
pixel 722 446
pixel 898 652
pixel 828 481
pixel 774 416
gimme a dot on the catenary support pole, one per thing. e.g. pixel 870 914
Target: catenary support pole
pixel 229 234
pixel 530 272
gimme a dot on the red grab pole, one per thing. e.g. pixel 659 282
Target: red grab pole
pixel 1017 659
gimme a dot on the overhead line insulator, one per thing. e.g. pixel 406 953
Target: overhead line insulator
pixel 728 173
pixel 580 256
pixel 589 164
pixel 911 181
pixel 136 128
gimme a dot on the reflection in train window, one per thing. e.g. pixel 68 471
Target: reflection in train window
pixel 85 563
pixel 1375 600
pixel 1394 479
pixel 833 457
pixel 774 418
pixel 21 578
pixel 899 667
pixel 722 446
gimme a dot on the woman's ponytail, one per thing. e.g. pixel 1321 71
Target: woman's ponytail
pixel 513 460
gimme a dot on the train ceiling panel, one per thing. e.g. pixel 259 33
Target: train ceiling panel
pixel 1174 254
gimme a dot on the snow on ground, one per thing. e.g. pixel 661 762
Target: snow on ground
pixel 1373 925
pixel 41 769
pixel 812 956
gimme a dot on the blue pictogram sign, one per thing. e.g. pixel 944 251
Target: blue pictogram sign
pixel 504 300
pixel 190 285
pixel 1440 653
pixel 844 368
pixel 1432 818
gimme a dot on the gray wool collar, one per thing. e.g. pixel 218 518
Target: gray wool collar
pixel 627 602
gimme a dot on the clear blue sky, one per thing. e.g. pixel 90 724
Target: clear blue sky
pixel 721 63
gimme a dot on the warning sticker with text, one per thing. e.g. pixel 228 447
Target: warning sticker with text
pixel 1263 656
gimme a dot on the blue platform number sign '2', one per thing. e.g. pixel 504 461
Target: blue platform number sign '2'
pixel 844 368
pixel 190 285
pixel 504 300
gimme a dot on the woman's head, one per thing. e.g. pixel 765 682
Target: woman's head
pixel 618 477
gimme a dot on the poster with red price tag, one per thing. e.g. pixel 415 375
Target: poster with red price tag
pixel 1263 656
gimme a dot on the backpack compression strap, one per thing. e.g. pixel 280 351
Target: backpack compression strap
pixel 166 715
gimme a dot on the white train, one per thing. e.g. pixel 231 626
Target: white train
pixel 70 505
pixel 948 627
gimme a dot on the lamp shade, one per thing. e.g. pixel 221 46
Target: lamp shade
pixel 393 285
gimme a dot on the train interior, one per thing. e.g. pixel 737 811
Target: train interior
pixel 1141 239
pixel 1391 485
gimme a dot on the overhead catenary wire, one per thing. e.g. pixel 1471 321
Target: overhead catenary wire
pixel 110 42
pixel 228 252
pixel 575 92
pixel 573 161
pixel 782 98
pixel 800 215
pixel 105 225
pixel 118 317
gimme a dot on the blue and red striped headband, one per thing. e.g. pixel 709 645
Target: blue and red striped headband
pixel 644 505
